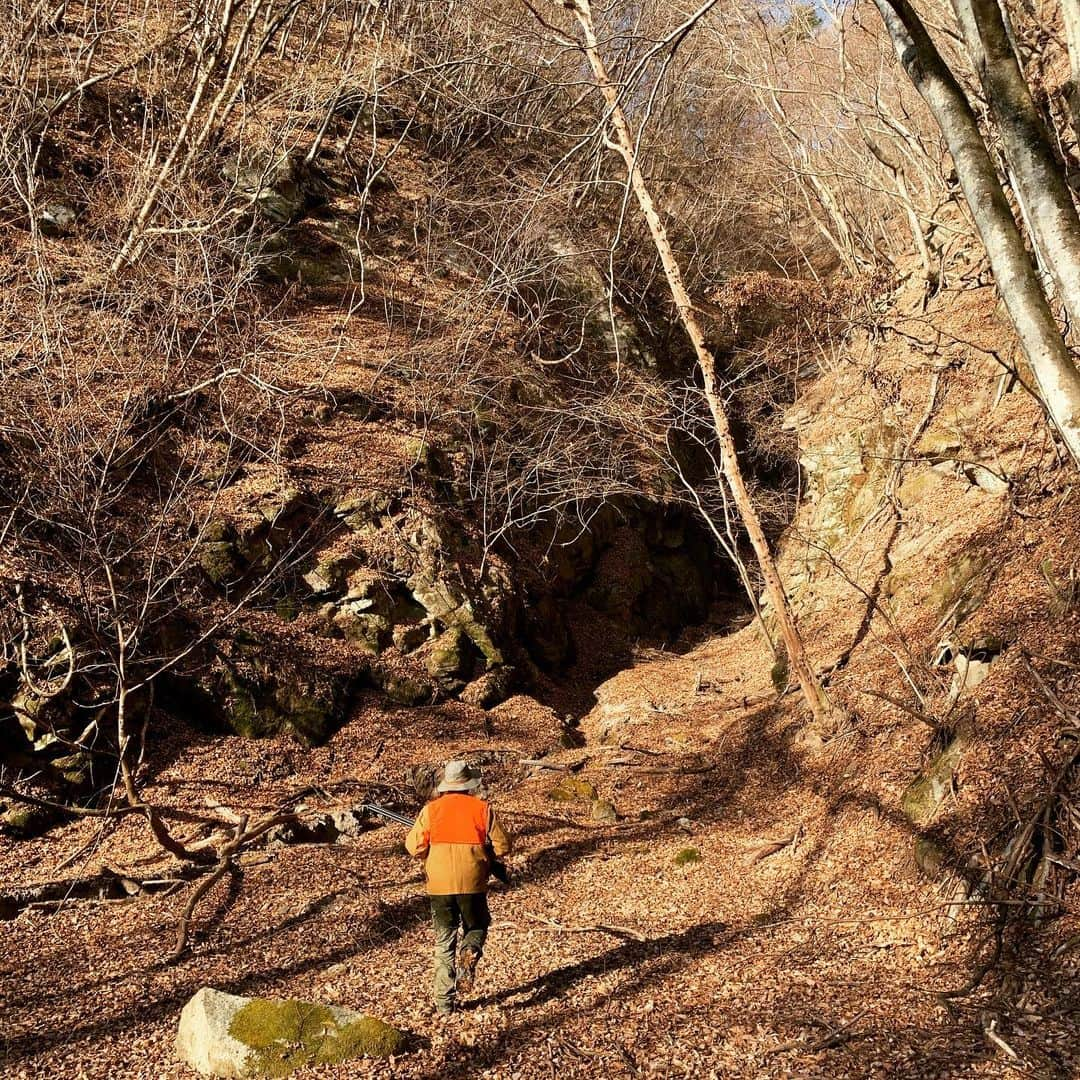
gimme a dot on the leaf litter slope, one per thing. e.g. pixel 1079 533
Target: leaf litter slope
pixel 739 959
pixel 801 941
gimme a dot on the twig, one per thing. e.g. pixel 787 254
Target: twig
pixel 596 928
pixel 834 1037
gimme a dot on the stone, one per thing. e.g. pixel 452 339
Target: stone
pixel 332 574
pixel 371 632
pixel 358 509
pixel 970 673
pixel 225 1035
pixel 220 562
pixel 281 505
pixel 446 604
pixel 572 789
pixel 448 657
pixel 491 689
pixel 924 796
pixel 988 480
pixel 408 638
pixel 405 690
pixel 603 810
pixel 57 220
pixel 265 705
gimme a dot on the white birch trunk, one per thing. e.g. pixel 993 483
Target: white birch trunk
pixel 1038 177
pixel 624 144
pixel 1017 281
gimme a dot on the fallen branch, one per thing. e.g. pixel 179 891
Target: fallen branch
pixel 772 847
pixel 596 928
pixel 903 706
pixel 835 1037
pixel 204 886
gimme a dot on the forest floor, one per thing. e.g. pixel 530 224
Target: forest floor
pixel 755 911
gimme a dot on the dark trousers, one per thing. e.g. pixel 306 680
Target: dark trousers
pixel 466 915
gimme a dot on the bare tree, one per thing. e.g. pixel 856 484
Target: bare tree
pixel 1044 347
pixel 625 144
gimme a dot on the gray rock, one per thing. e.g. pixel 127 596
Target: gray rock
pixel 225 1035
pixel 57 219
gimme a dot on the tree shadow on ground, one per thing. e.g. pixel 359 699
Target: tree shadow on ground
pixel 702 797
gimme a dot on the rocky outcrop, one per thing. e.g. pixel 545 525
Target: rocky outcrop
pixel 225 1035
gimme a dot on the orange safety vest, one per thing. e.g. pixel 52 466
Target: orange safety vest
pixel 457 818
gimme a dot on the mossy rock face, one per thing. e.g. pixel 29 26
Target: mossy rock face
pixel 409 638
pixel 573 789
pixel 449 655
pixel 332 574
pixel 963 589
pixel 927 792
pixel 229 1036
pixel 220 562
pixel 929 857
pixel 22 821
pixel 404 690
pixel 371 632
pixel 289 1035
pixel 263 707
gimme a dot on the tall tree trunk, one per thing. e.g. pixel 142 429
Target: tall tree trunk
pixel 1070 10
pixel 1017 281
pixel 624 145
pixel 1038 175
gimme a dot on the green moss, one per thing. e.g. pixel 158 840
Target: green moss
pixel 963 589
pixel 289 1035
pixel 687 855
pixel 367 1035
pixel 927 792
pixel 309 718
pixel 287 609
pixel 18 819
pixel 779 674
pixel 402 690
pixel 219 562
pixel 571 789
pixel 448 654
pixel 371 632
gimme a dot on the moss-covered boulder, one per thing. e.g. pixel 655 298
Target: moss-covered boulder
pixel 928 791
pixel 226 1035
pixel 573 789
pixel 220 562
pixel 449 656
pixel 265 705
pixel 402 689
pixel 371 632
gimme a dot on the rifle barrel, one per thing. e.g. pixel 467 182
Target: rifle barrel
pixel 390 815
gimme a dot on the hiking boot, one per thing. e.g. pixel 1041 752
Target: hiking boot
pixel 466 965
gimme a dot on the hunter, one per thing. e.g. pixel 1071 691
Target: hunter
pixel 458 837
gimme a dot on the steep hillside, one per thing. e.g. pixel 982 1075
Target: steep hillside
pixel 348 426
pixel 706 886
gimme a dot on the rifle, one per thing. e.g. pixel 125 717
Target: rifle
pixel 497 868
